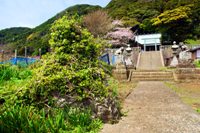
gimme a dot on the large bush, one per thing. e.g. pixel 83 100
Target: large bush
pixel 72 71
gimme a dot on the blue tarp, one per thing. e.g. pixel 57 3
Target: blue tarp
pixel 20 60
pixel 105 58
pixel 109 59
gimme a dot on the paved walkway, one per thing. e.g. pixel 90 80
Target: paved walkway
pixel 154 108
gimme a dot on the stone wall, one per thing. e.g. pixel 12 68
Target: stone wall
pixel 186 74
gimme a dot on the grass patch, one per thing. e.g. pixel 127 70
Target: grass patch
pixel 188 92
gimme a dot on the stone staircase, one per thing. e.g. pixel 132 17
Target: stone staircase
pixel 150 60
pixel 151 75
pixel 148 68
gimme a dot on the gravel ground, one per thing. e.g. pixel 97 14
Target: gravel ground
pixel 154 108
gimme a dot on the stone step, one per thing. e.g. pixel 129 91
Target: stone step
pixel 152 73
pixel 152 70
pixel 152 79
pixel 152 76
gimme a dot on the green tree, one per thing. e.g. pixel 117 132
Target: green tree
pixel 98 22
pixel 196 19
pixel 175 23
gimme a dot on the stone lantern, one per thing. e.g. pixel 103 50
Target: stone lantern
pixel 128 49
pixel 174 61
pixel 175 48
pixel 128 59
pixel 183 46
pixel 120 72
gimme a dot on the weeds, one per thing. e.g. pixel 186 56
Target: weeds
pixel 8 72
pixel 30 120
pixel 12 79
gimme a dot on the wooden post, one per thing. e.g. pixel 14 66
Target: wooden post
pixel 2 56
pixel 26 55
pixel 40 52
pixel 25 52
pixel 15 57
pixel 15 53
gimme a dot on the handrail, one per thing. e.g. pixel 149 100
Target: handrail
pixel 138 60
pixel 161 56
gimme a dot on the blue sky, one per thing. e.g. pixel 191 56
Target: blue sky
pixel 31 13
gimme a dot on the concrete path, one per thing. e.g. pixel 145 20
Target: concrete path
pixel 150 60
pixel 154 108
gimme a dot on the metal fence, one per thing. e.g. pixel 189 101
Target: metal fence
pixel 16 57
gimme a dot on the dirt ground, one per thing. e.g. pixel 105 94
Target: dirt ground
pixel 155 108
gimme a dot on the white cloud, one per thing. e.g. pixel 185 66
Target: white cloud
pixel 15 13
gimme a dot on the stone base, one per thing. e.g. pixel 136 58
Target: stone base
pixel 120 73
pixel 174 62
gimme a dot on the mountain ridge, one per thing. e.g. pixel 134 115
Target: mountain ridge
pixel 139 13
pixel 38 37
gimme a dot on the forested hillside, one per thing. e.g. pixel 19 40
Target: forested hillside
pixel 11 34
pixel 38 37
pixel 176 19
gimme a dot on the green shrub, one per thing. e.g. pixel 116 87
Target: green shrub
pixel 73 68
pixel 30 120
